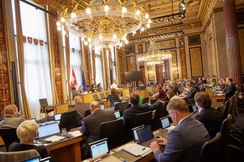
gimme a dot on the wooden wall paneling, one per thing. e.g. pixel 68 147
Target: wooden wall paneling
pixel 175 64
pixel 5 92
pixel 241 39
pixel 194 40
pixel 142 69
pixel 196 62
pixel 183 58
pixel 167 70
pixel 131 63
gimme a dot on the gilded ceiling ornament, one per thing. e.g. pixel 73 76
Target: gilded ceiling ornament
pixel 41 2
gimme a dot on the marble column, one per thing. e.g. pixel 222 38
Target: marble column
pixel 232 42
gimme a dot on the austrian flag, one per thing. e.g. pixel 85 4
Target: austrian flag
pixel 73 80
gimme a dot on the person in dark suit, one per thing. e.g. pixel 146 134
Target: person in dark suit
pixel 27 133
pixel 10 117
pixel 192 90
pixel 91 124
pixel 130 113
pixel 230 89
pixel 80 108
pixel 185 141
pixel 209 117
pixel 114 97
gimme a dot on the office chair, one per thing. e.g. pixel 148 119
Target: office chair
pixel 107 94
pixel 102 96
pixel 121 106
pixel 144 118
pixel 9 136
pixel 68 120
pixel 18 156
pixel 145 100
pixel 159 113
pixel 210 150
pixel 95 97
pixel 87 112
pixel 191 101
pixel 113 130
pixel 227 108
pixel 113 98
pixel 43 103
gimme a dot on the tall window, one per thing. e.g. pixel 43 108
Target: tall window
pixel 37 72
pixel 75 57
pixel 99 71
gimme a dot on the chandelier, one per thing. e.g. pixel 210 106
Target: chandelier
pixel 103 23
pixel 153 57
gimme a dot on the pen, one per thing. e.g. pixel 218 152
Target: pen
pixel 143 148
pixel 122 159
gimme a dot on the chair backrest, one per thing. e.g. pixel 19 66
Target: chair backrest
pixel 18 155
pixel 87 112
pixel 210 150
pixel 159 113
pixel 9 136
pixel 145 100
pixel 102 96
pixel 227 107
pixel 95 97
pixel 113 130
pixel 107 94
pixel 144 118
pixel 113 99
pixel 43 103
pixel 121 106
pixel 191 101
pixel 221 109
pixel 68 120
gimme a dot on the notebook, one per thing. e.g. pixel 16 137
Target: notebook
pixel 117 114
pixel 135 133
pixel 57 117
pixel 136 149
pixel 98 149
pixel 49 130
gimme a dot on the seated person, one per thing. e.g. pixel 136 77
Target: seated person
pixel 27 133
pixel 93 88
pixel 230 89
pixel 130 113
pixel 80 90
pixel 212 82
pixel 161 94
pixel 185 141
pixel 91 124
pixel 209 117
pixel 10 117
pixel 114 85
pixel 192 90
pixel 114 97
pixel 81 108
pixel 99 87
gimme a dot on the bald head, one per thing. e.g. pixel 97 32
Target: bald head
pixel 77 100
pixel 11 110
pixel 94 106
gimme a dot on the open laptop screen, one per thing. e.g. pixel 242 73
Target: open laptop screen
pixel 194 109
pixel 134 131
pixel 165 122
pixel 98 148
pixel 57 117
pixel 48 130
pixel 145 134
pixel 102 106
pixel 35 159
pixel 117 114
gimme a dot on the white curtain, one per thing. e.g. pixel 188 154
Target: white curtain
pixel 99 72
pixel 75 57
pixel 37 72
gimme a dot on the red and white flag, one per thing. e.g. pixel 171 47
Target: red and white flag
pixel 73 80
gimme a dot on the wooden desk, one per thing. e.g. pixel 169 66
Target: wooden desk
pixel 55 107
pixel 68 150
pixel 142 93
pixel 215 98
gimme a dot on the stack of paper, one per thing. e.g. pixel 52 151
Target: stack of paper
pixel 54 138
pixel 75 133
pixel 136 149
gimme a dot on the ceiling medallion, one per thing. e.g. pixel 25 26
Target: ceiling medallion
pixel 103 23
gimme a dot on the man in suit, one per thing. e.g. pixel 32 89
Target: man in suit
pixel 91 124
pixel 10 117
pixel 80 108
pixel 230 89
pixel 209 117
pixel 130 113
pixel 192 90
pixel 185 141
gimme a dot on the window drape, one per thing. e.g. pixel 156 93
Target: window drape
pixel 99 71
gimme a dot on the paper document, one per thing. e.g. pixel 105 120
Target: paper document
pixel 75 133
pixel 54 138
pixel 136 149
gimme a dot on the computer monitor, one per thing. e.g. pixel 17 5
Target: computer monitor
pixel 165 122
pixel 134 131
pixel 35 159
pixel 57 117
pixel 32 119
pixel 98 148
pixel 149 104
pixel 115 103
pixel 102 106
pixel 48 130
pixel 46 159
pixel 194 109
pixel 145 134
pixel 117 114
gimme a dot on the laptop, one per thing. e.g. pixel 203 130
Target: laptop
pixel 98 149
pixel 57 117
pixel 37 159
pixel 135 133
pixel 194 109
pixel 48 130
pixel 32 119
pixel 149 104
pixel 102 106
pixel 145 136
pixel 115 103
pixel 165 126
pixel 117 114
